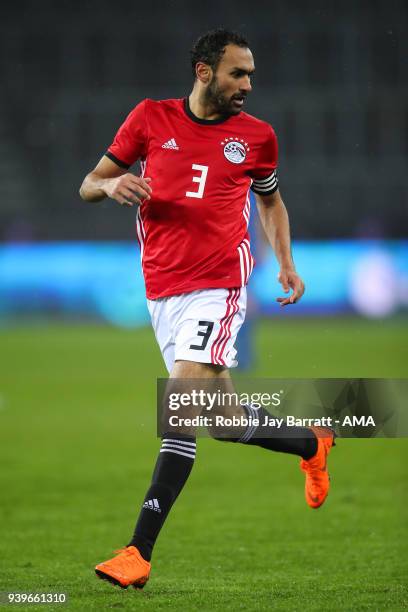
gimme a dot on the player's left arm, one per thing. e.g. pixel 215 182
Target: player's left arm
pixel 275 221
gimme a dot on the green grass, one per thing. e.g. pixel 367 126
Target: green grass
pixel 77 446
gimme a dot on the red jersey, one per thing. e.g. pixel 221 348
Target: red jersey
pixel 193 232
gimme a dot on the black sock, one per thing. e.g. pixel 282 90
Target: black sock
pixel 173 467
pixel 294 440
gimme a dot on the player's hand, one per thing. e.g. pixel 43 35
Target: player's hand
pixel 128 189
pixel 290 280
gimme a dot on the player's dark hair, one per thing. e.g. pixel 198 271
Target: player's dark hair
pixel 210 47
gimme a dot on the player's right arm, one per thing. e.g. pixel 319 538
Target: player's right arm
pixel 110 180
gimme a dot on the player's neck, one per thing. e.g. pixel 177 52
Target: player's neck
pixel 199 109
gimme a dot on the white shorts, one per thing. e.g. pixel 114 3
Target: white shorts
pixel 199 326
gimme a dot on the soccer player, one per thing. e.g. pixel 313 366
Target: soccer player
pixel 199 157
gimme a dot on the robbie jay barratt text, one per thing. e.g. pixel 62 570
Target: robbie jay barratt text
pixel 290 421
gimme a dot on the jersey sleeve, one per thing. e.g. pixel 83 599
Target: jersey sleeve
pixel 264 177
pixel 130 142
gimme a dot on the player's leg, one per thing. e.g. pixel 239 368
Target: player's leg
pixel 175 458
pixel 174 463
pixel 173 466
pixel 312 444
pixel 207 332
pixel 131 564
pixel 301 441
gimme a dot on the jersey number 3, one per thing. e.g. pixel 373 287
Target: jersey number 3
pixel 200 179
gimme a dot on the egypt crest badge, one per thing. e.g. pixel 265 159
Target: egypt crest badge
pixel 235 149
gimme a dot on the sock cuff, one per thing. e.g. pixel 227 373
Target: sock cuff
pixel 251 429
pixel 179 445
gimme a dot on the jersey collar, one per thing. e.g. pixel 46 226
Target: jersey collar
pixel 190 114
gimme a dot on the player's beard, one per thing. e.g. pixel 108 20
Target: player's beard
pixel 215 99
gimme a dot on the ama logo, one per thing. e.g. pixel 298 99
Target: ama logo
pixel 363 421
pixel 235 150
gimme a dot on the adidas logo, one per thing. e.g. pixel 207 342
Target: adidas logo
pixel 171 144
pixel 152 504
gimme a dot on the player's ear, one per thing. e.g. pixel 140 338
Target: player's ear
pixel 203 72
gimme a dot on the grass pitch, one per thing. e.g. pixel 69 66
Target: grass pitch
pixel 77 447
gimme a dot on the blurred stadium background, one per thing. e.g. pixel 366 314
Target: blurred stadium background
pixel 79 361
pixel 331 78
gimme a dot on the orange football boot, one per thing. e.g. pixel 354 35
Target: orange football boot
pixel 128 567
pixel 317 477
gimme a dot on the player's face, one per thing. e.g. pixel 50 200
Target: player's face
pixel 231 83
